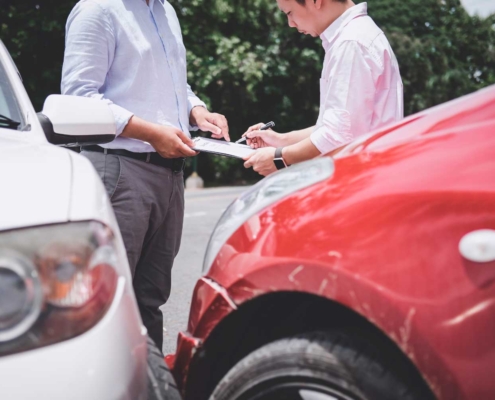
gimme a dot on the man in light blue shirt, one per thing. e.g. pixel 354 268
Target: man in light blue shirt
pixel 130 54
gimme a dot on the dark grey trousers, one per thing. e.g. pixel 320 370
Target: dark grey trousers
pixel 148 201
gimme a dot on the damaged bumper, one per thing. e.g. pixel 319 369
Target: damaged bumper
pixel 210 304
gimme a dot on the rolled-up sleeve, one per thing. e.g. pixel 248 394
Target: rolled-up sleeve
pixel 89 52
pixel 347 97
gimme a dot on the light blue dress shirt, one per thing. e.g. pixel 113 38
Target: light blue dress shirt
pixel 132 56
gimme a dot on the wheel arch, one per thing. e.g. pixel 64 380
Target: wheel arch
pixel 277 315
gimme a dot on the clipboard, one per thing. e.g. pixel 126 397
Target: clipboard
pixel 222 148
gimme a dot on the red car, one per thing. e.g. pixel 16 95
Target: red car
pixel 365 274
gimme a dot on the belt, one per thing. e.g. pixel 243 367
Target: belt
pixel 175 164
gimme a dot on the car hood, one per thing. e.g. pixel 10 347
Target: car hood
pixel 475 108
pixel 35 183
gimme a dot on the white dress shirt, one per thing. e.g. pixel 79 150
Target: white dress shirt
pixel 360 86
pixel 132 56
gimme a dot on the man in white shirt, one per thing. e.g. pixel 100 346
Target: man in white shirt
pixel 130 54
pixel 360 86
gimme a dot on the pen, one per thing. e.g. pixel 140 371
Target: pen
pixel 268 125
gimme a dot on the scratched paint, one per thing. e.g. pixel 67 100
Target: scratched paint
pixel 292 275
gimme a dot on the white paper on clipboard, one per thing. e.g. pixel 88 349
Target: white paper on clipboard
pixel 222 148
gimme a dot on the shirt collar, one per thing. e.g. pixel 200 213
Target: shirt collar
pixel 329 34
pixel 152 2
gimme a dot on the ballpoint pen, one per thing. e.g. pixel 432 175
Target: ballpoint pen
pixel 268 125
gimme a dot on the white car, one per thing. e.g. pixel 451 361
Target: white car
pixel 69 323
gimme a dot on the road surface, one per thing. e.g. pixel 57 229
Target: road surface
pixel 203 209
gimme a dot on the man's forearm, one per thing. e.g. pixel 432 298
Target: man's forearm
pixel 168 141
pixel 138 128
pixel 296 136
pixel 299 152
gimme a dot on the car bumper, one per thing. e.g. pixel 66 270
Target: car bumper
pixel 210 304
pixel 107 362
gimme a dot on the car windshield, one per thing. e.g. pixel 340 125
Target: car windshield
pixel 10 115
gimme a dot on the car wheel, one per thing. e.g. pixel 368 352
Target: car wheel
pixel 161 383
pixel 317 366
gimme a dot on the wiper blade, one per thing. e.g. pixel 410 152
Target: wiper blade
pixel 6 122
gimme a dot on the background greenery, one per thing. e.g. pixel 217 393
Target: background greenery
pixel 246 63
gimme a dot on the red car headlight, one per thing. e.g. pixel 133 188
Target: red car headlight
pixel 56 282
pixel 266 192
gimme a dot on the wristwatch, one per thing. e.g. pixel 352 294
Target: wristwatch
pixel 278 160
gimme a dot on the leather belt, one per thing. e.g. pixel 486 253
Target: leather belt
pixel 175 164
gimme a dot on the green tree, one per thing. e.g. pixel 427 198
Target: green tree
pixel 34 32
pixel 443 52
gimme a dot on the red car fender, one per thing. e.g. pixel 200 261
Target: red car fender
pixel 397 318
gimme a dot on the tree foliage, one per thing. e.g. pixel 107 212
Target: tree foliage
pixel 245 62
pixel 443 52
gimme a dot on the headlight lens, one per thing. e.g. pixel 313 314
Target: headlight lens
pixel 55 283
pixel 20 296
pixel 263 194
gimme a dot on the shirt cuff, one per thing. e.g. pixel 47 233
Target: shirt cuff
pixel 121 116
pixel 194 102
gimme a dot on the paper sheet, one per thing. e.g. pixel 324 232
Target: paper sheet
pixel 222 148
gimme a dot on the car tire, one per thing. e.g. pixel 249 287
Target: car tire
pixel 318 366
pixel 161 383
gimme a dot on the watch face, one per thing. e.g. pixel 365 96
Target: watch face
pixel 279 163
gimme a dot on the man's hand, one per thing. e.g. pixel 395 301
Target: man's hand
pixel 210 122
pixel 171 142
pixel 267 138
pixel 262 161
pixel 168 141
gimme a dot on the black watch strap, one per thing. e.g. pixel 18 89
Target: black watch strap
pixel 278 160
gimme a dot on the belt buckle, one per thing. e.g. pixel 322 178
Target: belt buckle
pixel 178 164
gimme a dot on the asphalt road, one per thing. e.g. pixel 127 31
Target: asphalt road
pixel 203 209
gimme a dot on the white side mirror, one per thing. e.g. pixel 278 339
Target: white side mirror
pixel 74 120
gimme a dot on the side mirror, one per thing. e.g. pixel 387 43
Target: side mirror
pixel 75 121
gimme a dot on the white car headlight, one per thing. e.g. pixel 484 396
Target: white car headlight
pixel 56 282
pixel 261 195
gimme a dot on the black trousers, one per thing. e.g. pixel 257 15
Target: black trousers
pixel 148 201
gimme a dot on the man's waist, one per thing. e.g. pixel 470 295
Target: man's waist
pixel 134 145
pixel 175 164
